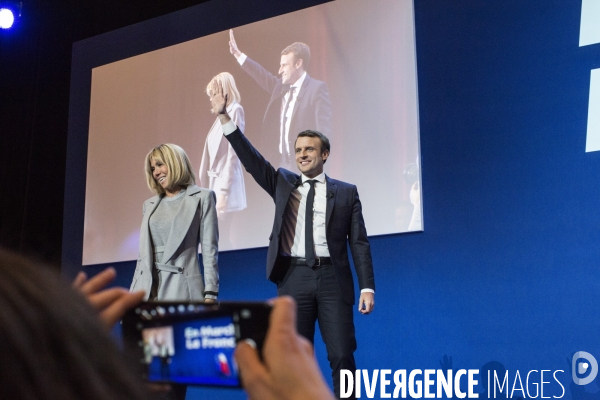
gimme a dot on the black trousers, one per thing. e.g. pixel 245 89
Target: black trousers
pixel 318 297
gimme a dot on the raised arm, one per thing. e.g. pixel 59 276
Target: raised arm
pixel 233 48
pixel 264 78
pixel 231 160
pixel 261 170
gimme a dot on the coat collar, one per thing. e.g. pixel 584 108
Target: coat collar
pixel 301 93
pixel 182 221
pixel 146 252
pixel 286 88
pixel 331 190
pixel 179 227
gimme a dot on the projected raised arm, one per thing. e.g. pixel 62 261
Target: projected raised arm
pixel 233 49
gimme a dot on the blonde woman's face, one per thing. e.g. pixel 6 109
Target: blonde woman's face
pixel 160 172
pixel 211 97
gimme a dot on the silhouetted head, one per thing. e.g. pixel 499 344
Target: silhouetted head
pixel 52 343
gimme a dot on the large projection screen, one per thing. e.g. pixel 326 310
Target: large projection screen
pixel 363 50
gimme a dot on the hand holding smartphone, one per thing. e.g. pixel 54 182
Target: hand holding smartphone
pixel 192 343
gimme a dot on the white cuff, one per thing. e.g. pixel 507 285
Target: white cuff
pixel 241 59
pixel 367 291
pixel 228 128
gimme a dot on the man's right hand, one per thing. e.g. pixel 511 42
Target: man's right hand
pixel 233 49
pixel 218 102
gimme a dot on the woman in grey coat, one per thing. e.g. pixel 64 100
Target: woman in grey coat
pixel 180 216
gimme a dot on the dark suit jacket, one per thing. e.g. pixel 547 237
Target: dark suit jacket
pixel 343 219
pixel 311 111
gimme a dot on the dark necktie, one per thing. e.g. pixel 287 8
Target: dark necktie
pixel 309 244
pixel 284 149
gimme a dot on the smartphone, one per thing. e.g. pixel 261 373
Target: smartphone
pixel 192 343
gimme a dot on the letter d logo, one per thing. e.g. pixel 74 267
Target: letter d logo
pixel 582 367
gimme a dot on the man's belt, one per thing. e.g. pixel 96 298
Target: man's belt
pixel 300 261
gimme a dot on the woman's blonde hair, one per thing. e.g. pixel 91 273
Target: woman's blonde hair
pixel 226 80
pixel 177 162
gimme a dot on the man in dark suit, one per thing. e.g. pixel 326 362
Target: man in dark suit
pixel 298 102
pixel 316 217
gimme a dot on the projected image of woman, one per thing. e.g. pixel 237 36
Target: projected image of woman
pixel 221 169
pixel 175 221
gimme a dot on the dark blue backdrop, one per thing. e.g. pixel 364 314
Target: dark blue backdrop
pixel 507 267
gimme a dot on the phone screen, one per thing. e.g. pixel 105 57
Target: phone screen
pixel 192 352
pixel 193 344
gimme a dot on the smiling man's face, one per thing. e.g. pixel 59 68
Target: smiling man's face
pixel 309 157
pixel 290 69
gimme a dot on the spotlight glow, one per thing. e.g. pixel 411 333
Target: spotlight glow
pixel 7 18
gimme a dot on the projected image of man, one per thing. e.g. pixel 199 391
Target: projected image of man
pixel 298 102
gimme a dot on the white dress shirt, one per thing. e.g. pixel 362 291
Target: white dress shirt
pixel 290 111
pixel 293 235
